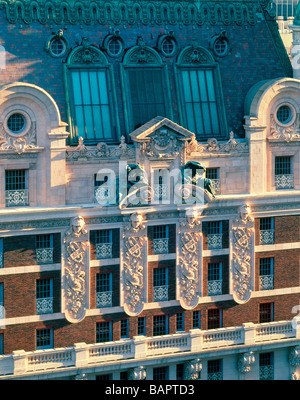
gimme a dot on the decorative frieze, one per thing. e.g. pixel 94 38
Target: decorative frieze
pixel 133 264
pixel 242 255
pixel 75 271
pixel 189 256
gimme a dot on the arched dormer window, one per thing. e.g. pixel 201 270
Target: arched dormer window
pixel 145 86
pixel 91 101
pixel 200 93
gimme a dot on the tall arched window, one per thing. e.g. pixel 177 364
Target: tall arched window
pixel 145 86
pixel 200 93
pixel 90 92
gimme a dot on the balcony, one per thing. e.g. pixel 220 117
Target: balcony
pixel 160 293
pixel 103 250
pixel 140 347
pixel 266 282
pixel 214 288
pixel 44 256
pixel 103 299
pixel 214 242
pixel 161 246
pixel 266 373
pixel 44 306
pixel 266 237
pixel 16 198
pixel 284 181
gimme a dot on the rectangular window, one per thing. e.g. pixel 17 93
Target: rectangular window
pixel 104 244
pixel 104 289
pixel 103 332
pixel 104 377
pixel 180 322
pixel 266 230
pixel 266 273
pixel 44 296
pixel 266 366
pixel 214 235
pixel 266 312
pixel 284 178
pixel 213 174
pixel 124 328
pixel 160 325
pixel 214 280
pixel 161 182
pixel 200 102
pixel 1 343
pixel 102 188
pixel 1 253
pixel 179 372
pixel 160 239
pixel 147 95
pixel 160 284
pixel 44 339
pixel 215 370
pixel 214 318
pixel 92 108
pixel 16 188
pixel 141 326
pixel 196 320
pixel 160 373
pixel 44 249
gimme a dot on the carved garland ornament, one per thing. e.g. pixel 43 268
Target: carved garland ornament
pixel 286 133
pixel 134 261
pixel 189 260
pixel 18 143
pixel 75 271
pixel 242 255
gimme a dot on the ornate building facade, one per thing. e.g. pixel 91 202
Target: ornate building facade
pixel 150 183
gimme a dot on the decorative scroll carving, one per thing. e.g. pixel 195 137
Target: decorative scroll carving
pixel 142 54
pixel 245 362
pixel 195 55
pixel 163 144
pixel 102 151
pixel 189 260
pixel 137 374
pixel 19 143
pixel 214 147
pixel 286 133
pixel 131 12
pixel 87 54
pixel 75 271
pixel 242 255
pixel 134 261
pixel 294 361
pixel 192 369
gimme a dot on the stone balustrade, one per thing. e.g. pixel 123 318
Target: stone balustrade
pixel 140 347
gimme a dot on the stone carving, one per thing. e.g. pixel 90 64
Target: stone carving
pixel 195 55
pixel 213 146
pixel 134 261
pixel 142 54
pixel 102 151
pixel 294 361
pixel 87 54
pixel 189 260
pixel 18 143
pixel 163 144
pixel 75 271
pixel 286 133
pixel 137 374
pixel 132 12
pixel 245 362
pixel 192 369
pixel 242 255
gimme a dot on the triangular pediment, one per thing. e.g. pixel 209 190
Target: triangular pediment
pixel 146 132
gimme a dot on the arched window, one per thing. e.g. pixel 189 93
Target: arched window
pixel 200 93
pixel 145 86
pixel 91 100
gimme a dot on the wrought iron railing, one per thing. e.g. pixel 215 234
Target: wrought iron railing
pixel 266 282
pixel 266 372
pixel 103 250
pixel 214 287
pixel 284 181
pixel 44 256
pixel 44 306
pixel 16 198
pixel 160 246
pixel 266 236
pixel 214 241
pixel 160 293
pixel 216 184
pixel 103 299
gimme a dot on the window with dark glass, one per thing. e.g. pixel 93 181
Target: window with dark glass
pixel 160 373
pixel 196 319
pixel 91 105
pixel 124 328
pixel 266 311
pixel 266 366
pixel 44 338
pixel 103 332
pixel 215 369
pixel 160 325
pixel 200 93
pixel 214 318
pixel 16 188
pixel 180 321
pixel 141 325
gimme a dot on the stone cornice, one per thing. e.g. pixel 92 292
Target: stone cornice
pixel 129 12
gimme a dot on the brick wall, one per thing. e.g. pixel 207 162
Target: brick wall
pixel 286 229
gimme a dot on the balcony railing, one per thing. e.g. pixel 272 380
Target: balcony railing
pixel 16 198
pixel 194 341
pixel 102 194
pixel 266 282
pixel 266 373
pixel 215 376
pixel 103 250
pixel 44 256
pixel 161 191
pixel 1 259
pixel 214 242
pixel 160 246
pixel 44 306
pixel 103 299
pixel 214 287
pixel 266 236
pixel 284 181
pixel 160 293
